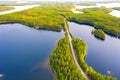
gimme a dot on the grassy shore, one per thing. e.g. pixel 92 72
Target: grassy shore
pixel 80 48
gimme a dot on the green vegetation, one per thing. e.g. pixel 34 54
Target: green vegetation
pixel 98 19
pixel 80 48
pixel 99 34
pixel 43 17
pixel 50 17
pixel 4 8
pixel 62 62
pixel 98 9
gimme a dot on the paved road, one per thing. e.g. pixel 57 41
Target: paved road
pixel 73 53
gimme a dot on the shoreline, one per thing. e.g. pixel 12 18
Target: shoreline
pixel 90 24
pixel 30 26
pixel 18 8
pixel 52 71
pixel 50 68
pixel 86 68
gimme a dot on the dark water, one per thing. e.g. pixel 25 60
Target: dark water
pixel 103 56
pixel 24 52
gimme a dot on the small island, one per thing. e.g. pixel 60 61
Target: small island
pixel 99 34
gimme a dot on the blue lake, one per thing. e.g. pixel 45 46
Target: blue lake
pixel 103 56
pixel 24 52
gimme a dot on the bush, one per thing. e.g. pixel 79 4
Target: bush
pixel 80 48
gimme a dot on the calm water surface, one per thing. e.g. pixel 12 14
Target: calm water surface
pixel 24 52
pixel 115 13
pixel 103 56
pixel 18 8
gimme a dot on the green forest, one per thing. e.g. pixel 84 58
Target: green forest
pixel 62 62
pixel 99 34
pixel 98 9
pixel 44 17
pixel 99 19
pixel 49 16
pixel 80 47
pixel 4 8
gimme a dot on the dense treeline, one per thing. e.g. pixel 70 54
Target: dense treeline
pixel 98 19
pixel 98 9
pixel 50 17
pixel 99 34
pixel 80 48
pixel 63 63
pixel 4 8
pixel 43 17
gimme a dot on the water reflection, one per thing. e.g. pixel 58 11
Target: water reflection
pixel 103 56
pixel 25 51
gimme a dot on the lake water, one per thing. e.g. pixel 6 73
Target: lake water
pixel 24 52
pixel 103 56
pixel 18 8
pixel 115 13
pixel 109 5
